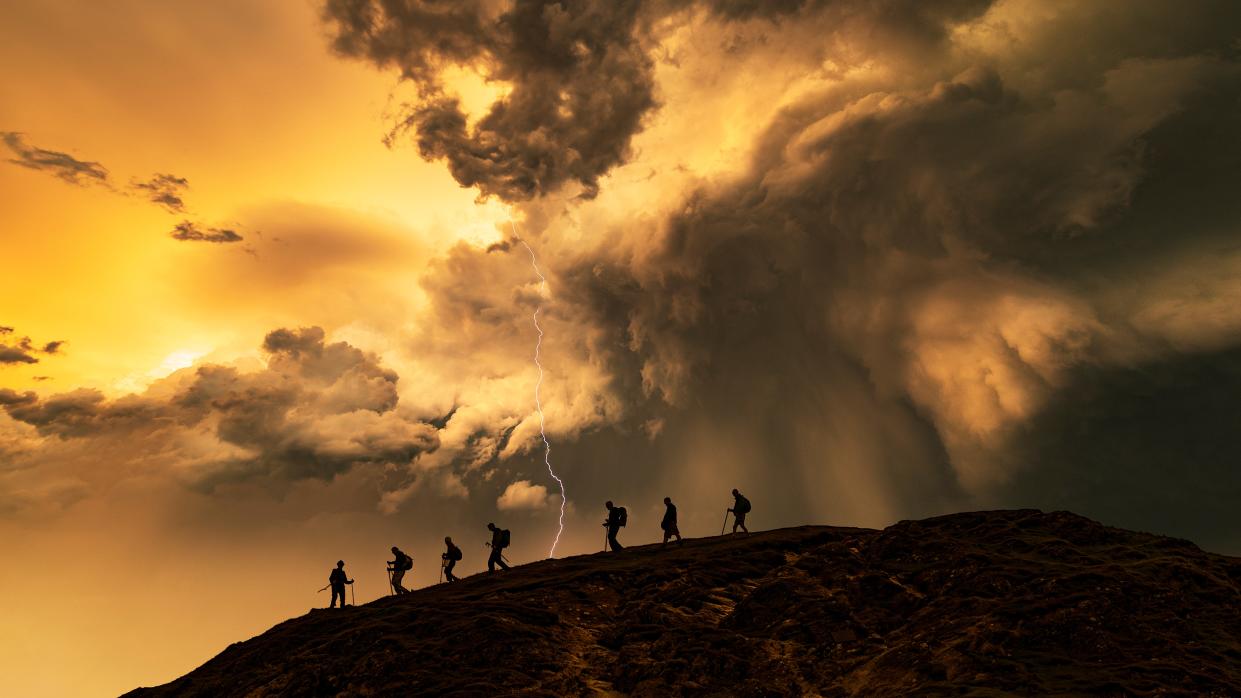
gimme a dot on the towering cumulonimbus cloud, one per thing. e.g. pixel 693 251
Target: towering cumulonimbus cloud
pixel 947 222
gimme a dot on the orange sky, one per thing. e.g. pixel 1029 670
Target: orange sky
pixel 853 262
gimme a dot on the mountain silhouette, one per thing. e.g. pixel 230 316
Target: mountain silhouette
pixel 1020 602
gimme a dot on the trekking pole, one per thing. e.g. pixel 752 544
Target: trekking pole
pixel 442 563
pixel 391 589
pixel 323 589
pixel 352 596
pixel 725 524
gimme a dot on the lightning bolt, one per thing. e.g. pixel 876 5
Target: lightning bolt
pixel 538 347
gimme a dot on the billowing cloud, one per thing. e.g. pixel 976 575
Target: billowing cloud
pixel 522 495
pixel 192 232
pixel 315 411
pixel 16 355
pixel 850 256
pixel 577 77
pixel 61 165
pixel 932 242
pixel 164 190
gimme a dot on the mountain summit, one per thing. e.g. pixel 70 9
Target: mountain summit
pixel 974 603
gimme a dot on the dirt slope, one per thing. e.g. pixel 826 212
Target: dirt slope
pixel 979 603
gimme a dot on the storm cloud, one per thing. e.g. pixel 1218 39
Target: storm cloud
pixel 578 78
pixel 947 226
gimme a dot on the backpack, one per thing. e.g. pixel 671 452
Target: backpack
pixel 505 538
pixel 622 516
pixel 742 506
pixel 405 563
pixel 454 554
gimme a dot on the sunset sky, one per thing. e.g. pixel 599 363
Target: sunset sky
pixel 263 302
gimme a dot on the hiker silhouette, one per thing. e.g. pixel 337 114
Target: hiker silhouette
pixel 397 567
pixel 741 507
pixel 617 517
pixel 337 580
pixel 669 522
pixel 451 556
pixel 499 541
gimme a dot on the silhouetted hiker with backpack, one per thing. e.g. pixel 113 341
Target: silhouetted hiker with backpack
pixel 337 580
pixel 451 556
pixel 500 539
pixel 669 524
pixel 617 517
pixel 397 568
pixel 741 507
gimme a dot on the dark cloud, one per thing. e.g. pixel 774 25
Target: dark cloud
pixel 579 78
pixel 925 261
pixel 164 190
pixel 190 231
pixel 9 397
pixel 24 349
pixel 16 355
pixel 62 165
pixel 316 411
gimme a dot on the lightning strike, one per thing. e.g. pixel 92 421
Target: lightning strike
pixel 538 346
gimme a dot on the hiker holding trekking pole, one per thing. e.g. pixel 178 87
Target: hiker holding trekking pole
pixel 449 559
pixel 500 539
pixel 741 507
pixel 617 518
pixel 397 569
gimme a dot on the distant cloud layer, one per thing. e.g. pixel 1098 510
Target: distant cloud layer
pixel 56 163
pixel 22 350
pixel 191 232
pixel 315 411
pixel 164 190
